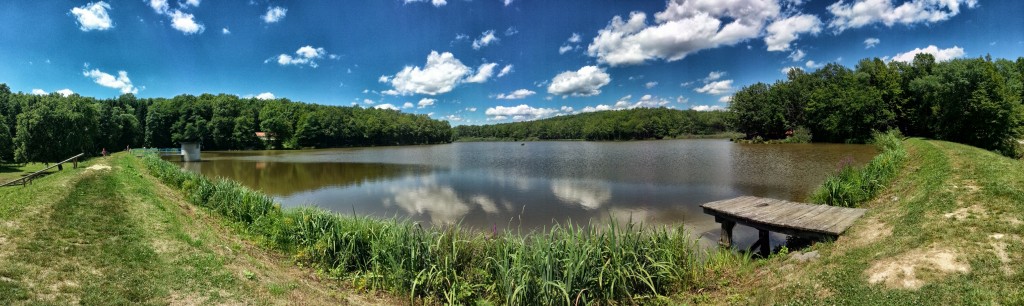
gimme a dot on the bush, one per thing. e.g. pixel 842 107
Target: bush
pixel 853 186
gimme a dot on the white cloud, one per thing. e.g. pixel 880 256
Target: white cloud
pixel 941 55
pixel 486 38
pixel 160 6
pixel 426 102
pixel 871 42
pixel 511 31
pixel 65 92
pixel 407 105
pixel 866 12
pixel 436 3
pixel 797 55
pixel 484 72
pixel 787 69
pixel 716 87
pixel 575 38
pixel 812 64
pixel 650 85
pixel 705 108
pixel 590 194
pixel 646 101
pixel 225 31
pixel 93 16
pixel 714 76
pixel 507 2
pixel 120 82
pixel 306 55
pixel 517 94
pixel 386 106
pixel 440 75
pixel 186 23
pixel 521 111
pixel 368 102
pixel 39 92
pixel 505 71
pixel 725 99
pixel 684 27
pixel 598 108
pixel 783 32
pixel 265 96
pixel 564 49
pixel 274 14
pixel 587 81
pixel 453 117
pixel 191 2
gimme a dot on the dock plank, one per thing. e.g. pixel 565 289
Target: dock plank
pixel 787 216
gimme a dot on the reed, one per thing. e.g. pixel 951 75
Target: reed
pixel 852 186
pixel 567 264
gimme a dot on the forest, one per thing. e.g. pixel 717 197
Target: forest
pixel 49 128
pixel 975 101
pixel 632 124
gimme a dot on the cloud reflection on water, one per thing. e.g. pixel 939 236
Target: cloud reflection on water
pixel 591 194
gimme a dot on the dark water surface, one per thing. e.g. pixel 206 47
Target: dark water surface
pixel 537 184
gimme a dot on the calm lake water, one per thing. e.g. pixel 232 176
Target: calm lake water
pixel 533 185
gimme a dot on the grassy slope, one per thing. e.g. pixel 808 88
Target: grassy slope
pixel 948 230
pixel 117 237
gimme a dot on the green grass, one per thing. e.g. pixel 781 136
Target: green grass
pixel 118 237
pixel 950 200
pixel 615 263
pixel 10 172
pixel 852 186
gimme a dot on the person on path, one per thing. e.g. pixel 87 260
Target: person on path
pixel 104 152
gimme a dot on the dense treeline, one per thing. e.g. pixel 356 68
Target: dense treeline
pixel 972 101
pixel 640 123
pixel 48 128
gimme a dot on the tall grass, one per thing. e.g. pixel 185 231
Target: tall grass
pixel 852 186
pixel 568 264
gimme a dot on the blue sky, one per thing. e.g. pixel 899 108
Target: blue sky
pixel 479 61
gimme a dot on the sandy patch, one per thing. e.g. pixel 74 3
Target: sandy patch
pixel 999 247
pixel 871 231
pixel 906 271
pixel 966 212
pixel 98 167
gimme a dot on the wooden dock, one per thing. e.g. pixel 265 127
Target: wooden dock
pixel 790 218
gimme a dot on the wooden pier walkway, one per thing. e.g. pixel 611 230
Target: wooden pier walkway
pixel 790 218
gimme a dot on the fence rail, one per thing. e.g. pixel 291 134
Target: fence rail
pixel 25 180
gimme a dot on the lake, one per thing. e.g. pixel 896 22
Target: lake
pixel 533 185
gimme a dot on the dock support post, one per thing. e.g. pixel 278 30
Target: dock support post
pixel 766 244
pixel 727 227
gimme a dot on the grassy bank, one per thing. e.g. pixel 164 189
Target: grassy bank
pixel 566 264
pixel 947 231
pixel 108 233
pixel 852 186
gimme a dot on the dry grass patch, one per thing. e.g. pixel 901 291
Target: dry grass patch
pixel 915 268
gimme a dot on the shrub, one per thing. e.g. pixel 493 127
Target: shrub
pixel 852 186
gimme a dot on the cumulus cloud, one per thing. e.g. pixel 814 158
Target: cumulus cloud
pixel 65 92
pixel 941 55
pixel 716 87
pixel 507 2
pixel 587 81
pixel 714 75
pixel 436 3
pixel 486 38
pixel 590 194
pixel 265 96
pixel 563 49
pixel 570 44
pixel 516 95
pixel 274 14
pixel 39 92
pixel 426 102
pixel 186 23
pixel 650 85
pixel 866 12
pixel 407 105
pixel 386 106
pixel 781 33
pixel 725 99
pixel 160 6
pixel 471 109
pixel 684 27
pixel 120 82
pixel 505 71
pixel 306 55
pixel 441 74
pixel 706 108
pixel 93 16
pixel 797 55
pixel 646 101
pixel 787 69
pixel 812 64
pixel 484 72
pixel 871 42
pixel 519 112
